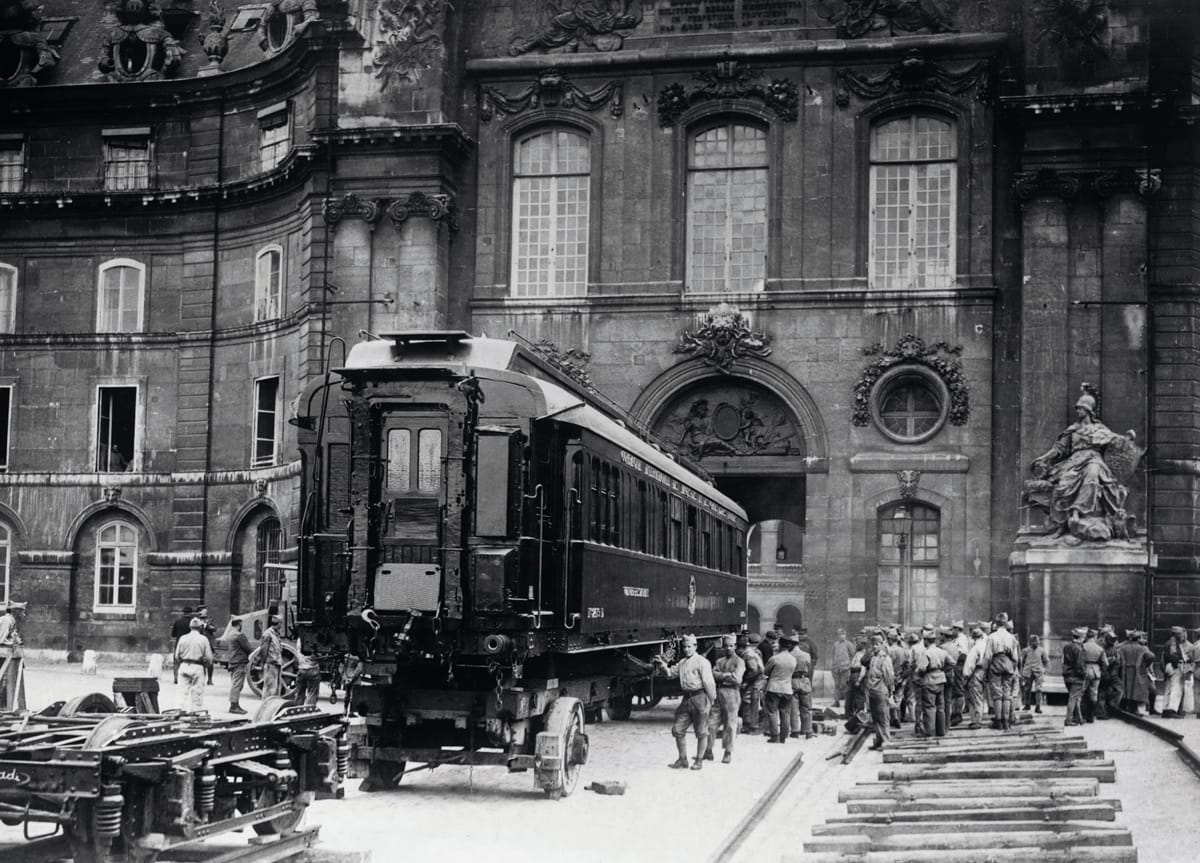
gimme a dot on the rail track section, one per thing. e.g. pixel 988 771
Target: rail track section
pixel 1186 754
pixel 980 796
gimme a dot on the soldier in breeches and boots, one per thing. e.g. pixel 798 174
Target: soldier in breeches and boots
pixel 699 691
pixel 779 668
pixel 753 683
pixel 801 706
pixel 880 683
pixel 931 669
pixel 1073 675
pixel 1001 655
pixel 728 672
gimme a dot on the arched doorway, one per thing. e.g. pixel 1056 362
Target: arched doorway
pixel 789 617
pixel 753 619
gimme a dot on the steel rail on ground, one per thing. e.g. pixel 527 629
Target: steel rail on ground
pixel 758 811
pixel 1189 756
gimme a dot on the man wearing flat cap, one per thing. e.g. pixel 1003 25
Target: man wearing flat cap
pixel 1177 665
pixel 1074 675
pixel 193 656
pixel 778 697
pixel 695 676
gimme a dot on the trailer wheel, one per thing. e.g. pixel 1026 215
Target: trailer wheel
pixel 284 823
pixel 620 707
pixel 564 720
pixel 287 673
pixel 93 702
pixel 107 730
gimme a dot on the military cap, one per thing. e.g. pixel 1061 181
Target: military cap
pixel 728 639
pixel 912 637
pixel 689 639
pixel 927 632
pixel 1078 632
pixel 196 623
pixel 976 631
pixel 754 638
pixel 1179 630
pixel 771 635
pixel 1002 617
pixel 959 625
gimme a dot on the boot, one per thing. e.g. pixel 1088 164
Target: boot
pixel 681 762
pixel 701 748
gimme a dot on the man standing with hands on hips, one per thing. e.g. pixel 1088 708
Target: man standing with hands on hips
pixel 699 691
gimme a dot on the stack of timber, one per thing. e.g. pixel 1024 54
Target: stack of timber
pixel 1029 793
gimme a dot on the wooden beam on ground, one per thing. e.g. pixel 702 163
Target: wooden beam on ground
pixel 957 756
pixel 982 855
pixel 987 841
pixel 1104 771
pixel 887 826
pixel 1100 810
pixel 1009 744
pixel 923 789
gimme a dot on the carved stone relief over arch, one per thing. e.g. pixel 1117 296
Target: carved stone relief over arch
pixel 719 417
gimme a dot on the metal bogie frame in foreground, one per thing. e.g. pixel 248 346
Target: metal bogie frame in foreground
pixel 125 787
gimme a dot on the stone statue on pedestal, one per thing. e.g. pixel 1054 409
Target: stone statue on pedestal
pixel 1081 479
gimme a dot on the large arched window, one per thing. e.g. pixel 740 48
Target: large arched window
pixel 727 209
pixel 551 201
pixel 268 583
pixel 116 566
pixel 909 554
pixel 268 283
pixel 120 296
pixel 912 184
pixel 8 298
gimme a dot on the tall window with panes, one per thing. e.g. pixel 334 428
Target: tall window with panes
pixel 268 283
pixel 5 553
pixel 727 209
pixel 8 298
pixel 268 540
pixel 12 164
pixel 275 137
pixel 266 421
pixel 551 200
pixel 120 294
pixel 913 179
pixel 6 401
pixel 126 161
pixel 116 566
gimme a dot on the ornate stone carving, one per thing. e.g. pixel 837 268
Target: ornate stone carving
pixel 731 420
pixel 1028 185
pixel 351 205
pixel 440 208
pixel 21 35
pixel 283 21
pixel 915 74
pixel 260 487
pixel 912 350
pixel 1078 24
pixel 135 43
pixel 909 480
pixel 1130 181
pixel 412 39
pixel 215 43
pixel 552 90
pixel 724 336
pixel 112 494
pixel 568 24
pixel 858 18
pixel 730 80
pixel 1080 482
pixel 570 362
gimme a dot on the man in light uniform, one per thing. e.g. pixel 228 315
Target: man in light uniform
pixel 973 677
pixel 880 682
pixel 1001 654
pixel 753 683
pixel 931 669
pixel 699 691
pixel 193 656
pixel 728 672
pixel 270 648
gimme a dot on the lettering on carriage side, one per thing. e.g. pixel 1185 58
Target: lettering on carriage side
pixel 632 461
pixel 13 778
pixel 640 592
pixel 595 613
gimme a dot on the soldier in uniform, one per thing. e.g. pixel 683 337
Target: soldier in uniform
pixel 753 684
pixel 778 670
pixel 728 671
pixel 931 670
pixel 1095 663
pixel 899 654
pixel 699 691
pixel 973 675
pixel 1074 675
pixel 880 683
pixel 801 706
pixel 1111 691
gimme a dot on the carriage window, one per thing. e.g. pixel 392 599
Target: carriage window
pixel 706 558
pixel 398 466
pixel 616 507
pixel 675 539
pixel 429 459
pixel 643 517
pixel 594 503
pixel 692 536
pixel 491 485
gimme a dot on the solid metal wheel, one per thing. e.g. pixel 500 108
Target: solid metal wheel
pixel 93 702
pixel 565 719
pixel 284 823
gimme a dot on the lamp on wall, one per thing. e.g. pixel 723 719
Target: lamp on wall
pixel 781 552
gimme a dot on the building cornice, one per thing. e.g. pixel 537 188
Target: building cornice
pixel 1074 103
pixel 254 478
pixel 446 138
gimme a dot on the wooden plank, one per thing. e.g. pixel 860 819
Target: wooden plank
pixel 1102 810
pixel 920 789
pixel 887 826
pixel 1120 854
pixel 1006 755
pixel 1010 744
pixel 987 841
pixel 1104 771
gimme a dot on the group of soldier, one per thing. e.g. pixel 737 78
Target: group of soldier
pixel 937 677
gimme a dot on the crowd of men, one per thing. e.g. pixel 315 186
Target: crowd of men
pixel 936 678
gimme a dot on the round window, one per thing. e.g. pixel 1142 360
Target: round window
pixel 909 405
pixel 279 30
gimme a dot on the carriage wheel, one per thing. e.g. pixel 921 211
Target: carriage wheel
pixel 285 823
pixel 93 702
pixel 565 719
pixel 287 673
pixel 620 707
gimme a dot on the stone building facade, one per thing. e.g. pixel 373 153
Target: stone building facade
pixel 855 258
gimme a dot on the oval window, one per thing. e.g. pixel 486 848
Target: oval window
pixel 12 61
pixel 909 405
pixel 279 28
pixel 132 55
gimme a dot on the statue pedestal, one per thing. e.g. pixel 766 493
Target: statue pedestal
pixel 1062 583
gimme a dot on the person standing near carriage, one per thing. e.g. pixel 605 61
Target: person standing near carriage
pixel 1110 684
pixel 801 706
pixel 779 668
pixel 699 691
pixel 180 628
pixel 753 684
pixel 270 647
pixel 193 655
pixel 1177 665
pixel 239 661
pixel 728 672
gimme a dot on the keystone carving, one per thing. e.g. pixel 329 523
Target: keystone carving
pixel 914 74
pixel 112 494
pixel 21 35
pixel 568 24
pixel 724 336
pixel 552 90
pixel 911 350
pixel 730 80
pixel 909 479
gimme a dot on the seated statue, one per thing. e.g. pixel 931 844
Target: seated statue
pixel 1081 479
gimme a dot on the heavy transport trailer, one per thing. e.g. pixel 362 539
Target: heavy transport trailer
pixel 496 554
pixel 124 787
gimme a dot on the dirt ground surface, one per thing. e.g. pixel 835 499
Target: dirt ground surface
pixel 486 814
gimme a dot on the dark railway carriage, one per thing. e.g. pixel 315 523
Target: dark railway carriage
pixel 494 551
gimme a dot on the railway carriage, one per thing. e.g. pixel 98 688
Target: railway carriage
pixel 496 554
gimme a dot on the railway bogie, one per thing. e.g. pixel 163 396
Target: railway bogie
pixel 481 538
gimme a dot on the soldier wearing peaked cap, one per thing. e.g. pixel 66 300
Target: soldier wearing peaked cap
pixel 1177 665
pixel 1001 653
pixel 1137 668
pixel 1074 675
pixel 728 671
pixel 931 669
pixel 1110 684
pixel 754 683
pixel 699 691
pixel 1095 664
